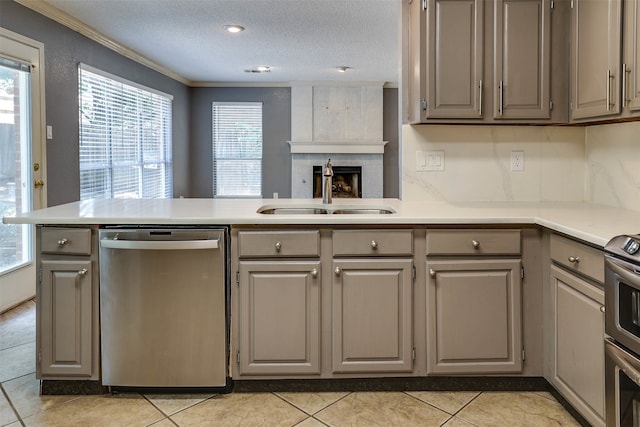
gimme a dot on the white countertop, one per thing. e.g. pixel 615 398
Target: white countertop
pixel 595 224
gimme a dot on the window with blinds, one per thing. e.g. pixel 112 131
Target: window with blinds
pixel 237 149
pixel 125 138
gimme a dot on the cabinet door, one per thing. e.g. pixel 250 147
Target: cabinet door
pixel 595 58
pixel 631 73
pixel 65 307
pixel 474 316
pixel 521 59
pixel 372 315
pixel 279 317
pixel 578 365
pixel 453 73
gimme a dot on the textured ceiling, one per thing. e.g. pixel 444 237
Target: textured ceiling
pixel 301 40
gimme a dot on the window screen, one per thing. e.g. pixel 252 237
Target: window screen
pixel 237 149
pixel 125 138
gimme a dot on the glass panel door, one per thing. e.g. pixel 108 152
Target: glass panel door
pixel 15 162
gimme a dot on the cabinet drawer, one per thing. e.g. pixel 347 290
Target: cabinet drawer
pixel 373 242
pixel 72 241
pixel 299 243
pixel 473 242
pixel 578 257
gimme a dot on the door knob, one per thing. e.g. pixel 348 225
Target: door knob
pixel 314 273
pixel 338 271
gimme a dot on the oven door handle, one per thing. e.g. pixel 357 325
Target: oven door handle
pixel 621 269
pixel 629 365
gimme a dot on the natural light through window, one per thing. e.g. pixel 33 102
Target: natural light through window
pixel 125 138
pixel 237 149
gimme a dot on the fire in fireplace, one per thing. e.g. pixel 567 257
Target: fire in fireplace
pixel 347 181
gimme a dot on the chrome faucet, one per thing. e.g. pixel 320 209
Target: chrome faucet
pixel 327 185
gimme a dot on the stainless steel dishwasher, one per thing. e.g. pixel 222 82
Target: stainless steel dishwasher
pixel 163 307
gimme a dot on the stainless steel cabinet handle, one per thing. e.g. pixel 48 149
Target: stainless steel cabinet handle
pixel 314 273
pixel 480 98
pixel 475 244
pixel 63 242
pixel 624 85
pixel 609 78
pixel 278 246
pixel 338 271
pixel 501 98
pixel 82 272
pixel 432 272
pixel 575 259
pixel 374 244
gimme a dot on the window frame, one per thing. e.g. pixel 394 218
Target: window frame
pixel 140 140
pixel 254 160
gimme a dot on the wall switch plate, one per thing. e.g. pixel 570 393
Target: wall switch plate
pixel 430 160
pixel 49 132
pixel 517 161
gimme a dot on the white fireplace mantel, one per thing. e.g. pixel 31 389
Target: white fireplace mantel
pixel 343 147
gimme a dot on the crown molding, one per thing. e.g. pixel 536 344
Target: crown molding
pixel 51 12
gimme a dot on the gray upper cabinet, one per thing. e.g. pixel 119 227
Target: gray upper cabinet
pixel 522 57
pixel 595 58
pixel 631 60
pixel 475 61
pixel 453 85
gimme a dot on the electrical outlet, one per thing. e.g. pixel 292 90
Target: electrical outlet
pixel 517 161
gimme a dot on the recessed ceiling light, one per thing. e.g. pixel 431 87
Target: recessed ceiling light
pixel 342 68
pixel 234 28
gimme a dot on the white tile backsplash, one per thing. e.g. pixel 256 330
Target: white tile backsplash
pixel 613 165
pixel 478 163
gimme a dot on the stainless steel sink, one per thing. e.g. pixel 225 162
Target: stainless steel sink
pixel 291 210
pixel 325 210
pixel 365 211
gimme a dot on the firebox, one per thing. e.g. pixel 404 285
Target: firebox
pixel 347 181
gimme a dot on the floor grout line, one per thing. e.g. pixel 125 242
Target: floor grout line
pixel 15 411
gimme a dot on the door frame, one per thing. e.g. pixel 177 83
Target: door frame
pixel 19 284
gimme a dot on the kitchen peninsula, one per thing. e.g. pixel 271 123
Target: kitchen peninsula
pixel 368 295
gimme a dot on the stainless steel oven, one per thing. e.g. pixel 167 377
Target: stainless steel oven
pixel 622 327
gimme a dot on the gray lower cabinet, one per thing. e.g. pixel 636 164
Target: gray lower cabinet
pixel 474 301
pixel 279 319
pixel 577 329
pixel 67 296
pixel 474 316
pixel 372 315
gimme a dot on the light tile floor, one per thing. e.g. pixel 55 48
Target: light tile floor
pixel 21 404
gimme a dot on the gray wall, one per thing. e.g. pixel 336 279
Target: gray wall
pixel 192 170
pixel 277 131
pixel 276 119
pixel 64 49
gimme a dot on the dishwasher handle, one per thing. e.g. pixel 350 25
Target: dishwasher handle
pixel 159 244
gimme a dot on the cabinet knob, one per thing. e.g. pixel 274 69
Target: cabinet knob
pixel 575 259
pixel 475 244
pixel 338 271
pixel 432 272
pixel 314 273
pixel 82 272
pixel 602 309
pixel 374 244
pixel 63 242
pixel 278 246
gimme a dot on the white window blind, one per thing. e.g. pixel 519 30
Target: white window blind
pixel 237 149
pixel 125 138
